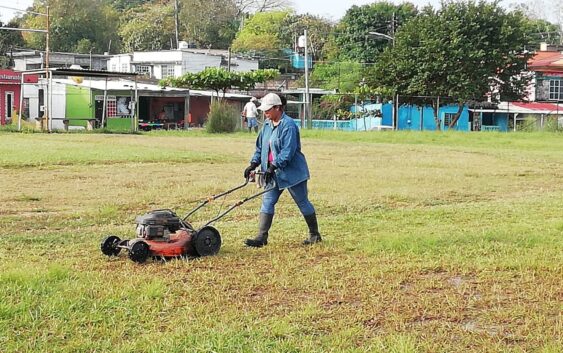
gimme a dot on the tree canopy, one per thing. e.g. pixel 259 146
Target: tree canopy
pixel 462 51
pixel 261 32
pixel 318 33
pixel 75 25
pixel 8 41
pixel 147 27
pixel 352 35
pixel 220 80
pixel 209 24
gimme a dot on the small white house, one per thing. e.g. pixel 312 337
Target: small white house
pixel 173 63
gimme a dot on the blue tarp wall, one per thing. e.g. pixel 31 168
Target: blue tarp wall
pixel 345 125
pixel 422 118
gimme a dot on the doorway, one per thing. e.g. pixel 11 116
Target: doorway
pixel 9 107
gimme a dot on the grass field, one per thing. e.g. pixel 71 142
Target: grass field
pixel 434 242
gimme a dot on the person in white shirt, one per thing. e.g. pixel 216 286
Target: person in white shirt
pixel 250 113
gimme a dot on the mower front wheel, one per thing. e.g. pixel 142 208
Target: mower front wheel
pixel 139 252
pixel 207 241
pixel 109 246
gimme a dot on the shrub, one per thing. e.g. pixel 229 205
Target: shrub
pixel 222 118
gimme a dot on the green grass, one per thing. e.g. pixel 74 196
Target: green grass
pixel 434 242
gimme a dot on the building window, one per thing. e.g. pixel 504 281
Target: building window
pixel 555 90
pixel 124 68
pixel 144 70
pixel 113 67
pixel 448 118
pixel 111 109
pixel 167 71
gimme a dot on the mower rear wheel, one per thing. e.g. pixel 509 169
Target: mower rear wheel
pixel 109 246
pixel 139 252
pixel 207 241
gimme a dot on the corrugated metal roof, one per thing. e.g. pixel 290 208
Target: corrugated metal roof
pixel 524 108
pixel 547 60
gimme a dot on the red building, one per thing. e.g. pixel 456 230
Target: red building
pixel 9 95
pixel 10 84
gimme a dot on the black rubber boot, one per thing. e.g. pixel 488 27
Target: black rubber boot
pixel 314 235
pixel 263 228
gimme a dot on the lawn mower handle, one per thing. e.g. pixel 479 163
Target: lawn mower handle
pixel 215 197
pixel 273 186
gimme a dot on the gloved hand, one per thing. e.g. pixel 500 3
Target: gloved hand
pixel 269 174
pixel 249 169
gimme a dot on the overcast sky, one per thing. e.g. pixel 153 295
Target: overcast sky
pixel 332 9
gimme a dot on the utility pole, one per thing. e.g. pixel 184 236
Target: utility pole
pixel 46 31
pixel 48 121
pixel 177 23
pixel 307 97
pixel 393 20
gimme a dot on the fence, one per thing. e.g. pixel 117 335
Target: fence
pixel 360 124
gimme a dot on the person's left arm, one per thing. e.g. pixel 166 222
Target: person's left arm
pixel 288 141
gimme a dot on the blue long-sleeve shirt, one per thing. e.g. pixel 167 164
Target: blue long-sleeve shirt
pixel 291 165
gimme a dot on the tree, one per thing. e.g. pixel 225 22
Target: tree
pixel 318 32
pixel 8 41
pixel 124 5
pixel 543 31
pixel 253 6
pixel 260 37
pixel 463 51
pixel 352 36
pixel 147 27
pixel 550 11
pixel 71 21
pixel 219 79
pixel 209 23
pixel 343 76
pixel 261 32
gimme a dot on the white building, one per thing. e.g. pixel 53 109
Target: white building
pixel 173 63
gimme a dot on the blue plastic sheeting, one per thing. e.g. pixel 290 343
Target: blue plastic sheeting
pixel 298 61
pixel 345 125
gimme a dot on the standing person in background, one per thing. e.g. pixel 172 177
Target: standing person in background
pixel 278 153
pixel 250 113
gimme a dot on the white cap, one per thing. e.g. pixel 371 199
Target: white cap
pixel 253 99
pixel 268 101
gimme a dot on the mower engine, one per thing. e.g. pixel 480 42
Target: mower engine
pixel 157 225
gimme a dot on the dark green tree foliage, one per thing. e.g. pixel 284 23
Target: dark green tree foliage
pixel 212 24
pixel 8 41
pixel 148 27
pixel 464 51
pixel 123 5
pixel 352 36
pixel 72 22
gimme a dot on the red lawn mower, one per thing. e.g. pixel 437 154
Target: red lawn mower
pixel 162 234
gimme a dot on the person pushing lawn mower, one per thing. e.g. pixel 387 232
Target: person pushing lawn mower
pixel 278 154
